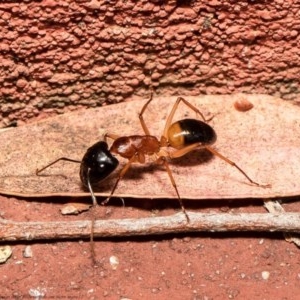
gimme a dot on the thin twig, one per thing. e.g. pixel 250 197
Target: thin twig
pixel 199 222
pixel 274 207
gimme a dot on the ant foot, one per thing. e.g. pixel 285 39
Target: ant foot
pixel 266 185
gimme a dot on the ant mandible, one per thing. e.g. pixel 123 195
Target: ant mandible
pixel 178 139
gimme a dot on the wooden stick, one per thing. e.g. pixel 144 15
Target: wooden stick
pixel 274 207
pixel 199 222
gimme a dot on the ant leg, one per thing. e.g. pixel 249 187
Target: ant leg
pixel 194 108
pixel 162 159
pixel 187 149
pixel 38 171
pixel 215 152
pixel 121 175
pixel 171 115
pixel 184 151
pixel 111 136
pixel 145 128
pixel 94 200
pixel 92 241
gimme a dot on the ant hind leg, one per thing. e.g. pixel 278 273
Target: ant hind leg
pixel 233 164
pixel 164 137
pixel 143 123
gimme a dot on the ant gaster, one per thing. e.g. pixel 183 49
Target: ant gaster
pixel 178 139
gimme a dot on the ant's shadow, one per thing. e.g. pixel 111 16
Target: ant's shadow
pixel 137 171
pixel 193 158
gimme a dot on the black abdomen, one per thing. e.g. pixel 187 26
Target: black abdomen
pixel 189 131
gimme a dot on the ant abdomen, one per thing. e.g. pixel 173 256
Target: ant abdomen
pixel 190 131
pixel 97 164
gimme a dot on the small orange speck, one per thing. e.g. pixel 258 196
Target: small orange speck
pixel 243 105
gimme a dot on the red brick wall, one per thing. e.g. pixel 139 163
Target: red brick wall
pixel 61 55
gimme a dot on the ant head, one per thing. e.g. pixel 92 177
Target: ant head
pixel 97 164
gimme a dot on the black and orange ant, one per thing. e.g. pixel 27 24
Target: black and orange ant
pixel 178 139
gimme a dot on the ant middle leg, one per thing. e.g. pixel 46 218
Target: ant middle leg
pixel 163 160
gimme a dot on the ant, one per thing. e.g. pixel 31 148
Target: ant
pixel 177 139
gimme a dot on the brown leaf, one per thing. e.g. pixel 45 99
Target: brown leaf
pixel 264 142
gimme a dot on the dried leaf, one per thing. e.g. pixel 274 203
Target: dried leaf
pixel 263 141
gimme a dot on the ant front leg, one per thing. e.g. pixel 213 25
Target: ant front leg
pixel 111 136
pixel 121 175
